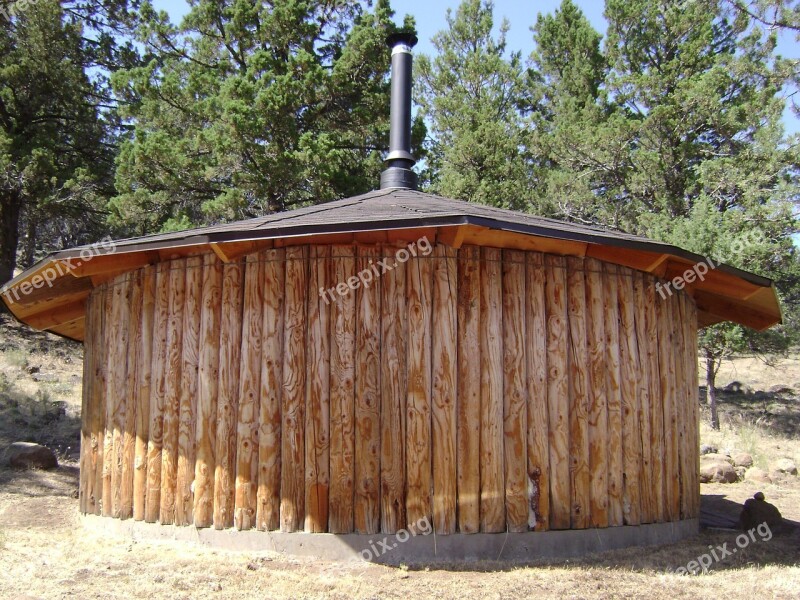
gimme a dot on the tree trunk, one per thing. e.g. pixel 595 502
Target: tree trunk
pixel 9 234
pixel 711 393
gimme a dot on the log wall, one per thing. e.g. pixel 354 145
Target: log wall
pixel 482 389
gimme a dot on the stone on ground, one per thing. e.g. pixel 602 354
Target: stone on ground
pixel 27 455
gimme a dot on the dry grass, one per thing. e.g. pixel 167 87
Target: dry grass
pixel 45 553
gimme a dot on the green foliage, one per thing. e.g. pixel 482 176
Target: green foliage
pixel 251 108
pixel 469 93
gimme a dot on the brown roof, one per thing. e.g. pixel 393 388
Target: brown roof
pixel 727 294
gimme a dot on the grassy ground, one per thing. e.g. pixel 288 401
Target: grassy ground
pixel 45 553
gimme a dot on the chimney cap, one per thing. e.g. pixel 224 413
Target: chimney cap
pixel 401 37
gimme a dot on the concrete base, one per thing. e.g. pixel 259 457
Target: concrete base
pixel 403 548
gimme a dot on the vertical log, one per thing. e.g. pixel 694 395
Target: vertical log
pixel 317 423
pixel 694 433
pixel 172 397
pixel 98 400
pixel 445 388
pixel 134 335
pixel 492 476
pixel 110 335
pixel 294 389
pixel 469 385
pixel 207 391
pixel 611 310
pixel 143 388
pixel 656 406
pixel 598 410
pixel 558 390
pixel 682 402
pixel 230 345
pixel 631 436
pixel 155 435
pixel 580 478
pixel 249 387
pixel 666 367
pixel 89 410
pixel 538 425
pixel 342 386
pixel 515 393
pixel 643 393
pixel 367 398
pixel 184 483
pixel 118 359
pixel 419 300
pixel 269 436
pixel 393 397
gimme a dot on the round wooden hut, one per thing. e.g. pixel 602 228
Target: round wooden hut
pixel 397 358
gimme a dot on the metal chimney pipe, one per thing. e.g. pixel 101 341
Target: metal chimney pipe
pixel 398 173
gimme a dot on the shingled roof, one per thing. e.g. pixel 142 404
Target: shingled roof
pixel 386 215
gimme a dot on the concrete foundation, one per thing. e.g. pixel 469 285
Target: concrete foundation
pixel 404 548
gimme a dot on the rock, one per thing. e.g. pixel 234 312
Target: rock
pixel 757 475
pixel 32 369
pixel 784 466
pixel 716 471
pixel 737 387
pixel 757 511
pixel 716 456
pixel 742 459
pixel 708 449
pixel 740 472
pixel 26 455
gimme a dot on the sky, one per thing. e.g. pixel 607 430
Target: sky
pixel 521 14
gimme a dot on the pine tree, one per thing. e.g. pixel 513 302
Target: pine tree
pixel 252 108
pixel 469 95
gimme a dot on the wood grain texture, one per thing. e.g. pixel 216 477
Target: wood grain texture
pixel 342 393
pixel 598 409
pixel 694 408
pixel 207 391
pixel 631 437
pixel 131 401
pixel 157 394
pixel 110 332
pixel 666 367
pixel 558 390
pixel 393 396
pixel 244 514
pixel 419 300
pixel 682 403
pixel 656 406
pixel 230 347
pixel 269 436
pixel 613 395
pixel 538 443
pixel 143 387
pixel 99 401
pixel 367 505
pixel 579 371
pixel 491 335
pixel 647 491
pixel 92 408
pixel 515 392
pixel 187 448
pixel 317 413
pixel 172 393
pixel 468 409
pixel 118 377
pixel 445 388
pixel 293 390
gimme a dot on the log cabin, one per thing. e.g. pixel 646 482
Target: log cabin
pixel 364 365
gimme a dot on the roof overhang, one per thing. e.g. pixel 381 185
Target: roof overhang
pixel 51 295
